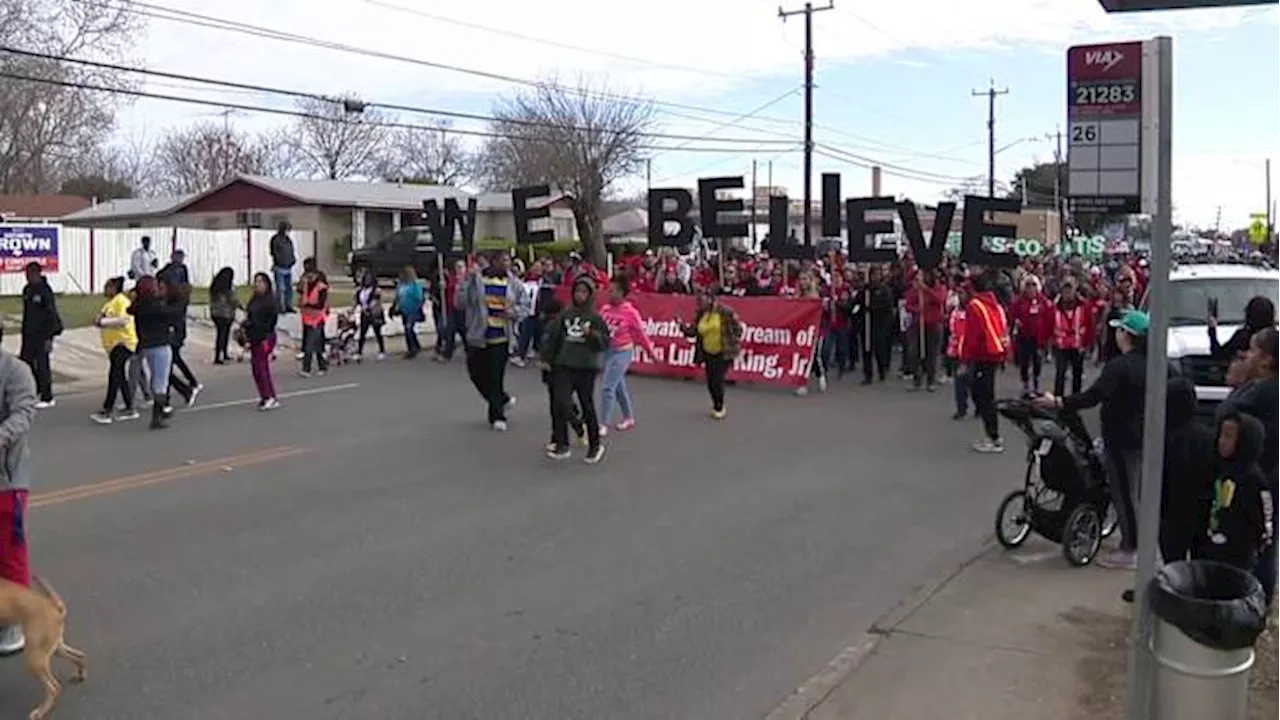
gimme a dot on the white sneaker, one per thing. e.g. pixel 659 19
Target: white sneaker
pixel 500 425
pixel 127 415
pixel 101 418
pixel 517 361
pixel 269 404
pixel 304 374
pixel 594 455
pixel 511 402
pixel 604 430
pixel 195 392
pixel 822 384
pixel 987 445
pixel 802 391
pixel 45 404
pixel 382 356
pixel 12 640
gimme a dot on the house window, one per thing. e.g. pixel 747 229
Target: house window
pixel 135 225
pixel 249 219
pixel 278 218
pixel 211 223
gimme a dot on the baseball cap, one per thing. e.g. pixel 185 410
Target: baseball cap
pixel 1134 322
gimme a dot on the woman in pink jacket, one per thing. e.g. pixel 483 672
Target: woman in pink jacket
pixel 626 330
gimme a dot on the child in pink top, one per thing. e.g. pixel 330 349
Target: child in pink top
pixel 626 331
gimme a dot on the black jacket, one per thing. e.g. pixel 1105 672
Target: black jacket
pixel 153 320
pixel 1121 390
pixel 1258 398
pixel 1237 528
pixel 282 254
pixel 40 319
pixel 1188 473
pixel 260 318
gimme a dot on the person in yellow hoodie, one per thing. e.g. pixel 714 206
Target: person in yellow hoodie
pixel 120 340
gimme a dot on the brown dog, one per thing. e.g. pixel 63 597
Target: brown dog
pixel 43 617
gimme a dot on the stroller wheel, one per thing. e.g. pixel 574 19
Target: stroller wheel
pixel 1013 522
pixel 1110 522
pixel 1082 534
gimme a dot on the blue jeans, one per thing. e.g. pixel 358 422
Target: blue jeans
pixel 837 352
pixel 614 384
pixel 159 361
pixel 283 279
pixel 527 335
pixel 411 343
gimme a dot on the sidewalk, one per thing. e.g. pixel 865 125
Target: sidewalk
pixel 1010 636
pixel 80 364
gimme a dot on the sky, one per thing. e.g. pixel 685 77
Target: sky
pixel 895 82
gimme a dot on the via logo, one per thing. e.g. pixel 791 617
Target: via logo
pixel 1108 58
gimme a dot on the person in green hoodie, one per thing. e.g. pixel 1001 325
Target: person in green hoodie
pixel 573 347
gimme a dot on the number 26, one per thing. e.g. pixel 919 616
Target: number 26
pixel 1084 133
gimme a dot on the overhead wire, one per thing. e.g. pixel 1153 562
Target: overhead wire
pixel 160 12
pixel 226 105
pixel 302 95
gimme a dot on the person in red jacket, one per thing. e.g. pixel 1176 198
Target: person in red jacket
pixel 926 303
pixel 1032 315
pixel 984 349
pixel 1072 335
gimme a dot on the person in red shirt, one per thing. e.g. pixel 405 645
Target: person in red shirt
pixel 926 303
pixel 837 345
pixel 452 320
pixel 645 277
pixel 983 350
pixel 1031 313
pixel 1072 334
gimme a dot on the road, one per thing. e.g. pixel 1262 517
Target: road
pixel 373 550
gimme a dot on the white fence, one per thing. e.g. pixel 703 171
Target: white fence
pixel 88 256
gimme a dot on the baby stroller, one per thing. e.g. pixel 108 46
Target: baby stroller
pixel 1064 497
pixel 342 346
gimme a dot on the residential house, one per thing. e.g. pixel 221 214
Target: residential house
pixel 344 214
pixel 39 208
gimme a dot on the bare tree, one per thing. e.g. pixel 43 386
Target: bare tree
pixel 205 155
pixel 46 124
pixel 581 140
pixel 338 139
pixel 432 156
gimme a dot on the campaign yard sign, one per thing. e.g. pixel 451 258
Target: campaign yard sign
pixel 24 244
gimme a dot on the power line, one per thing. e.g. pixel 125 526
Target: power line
pixel 312 116
pixel 888 171
pixel 387 106
pixel 160 12
pixel 546 41
pixel 892 168
pixel 710 133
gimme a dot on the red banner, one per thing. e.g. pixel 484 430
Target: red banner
pixel 779 336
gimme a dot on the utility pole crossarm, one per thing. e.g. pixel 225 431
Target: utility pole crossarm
pixel 991 94
pixel 808 12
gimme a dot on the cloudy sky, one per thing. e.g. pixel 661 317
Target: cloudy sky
pixel 894 79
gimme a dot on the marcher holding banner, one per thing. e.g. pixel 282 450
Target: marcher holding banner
pixel 717 335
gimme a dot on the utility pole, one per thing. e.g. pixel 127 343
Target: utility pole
pixel 1217 221
pixel 808 12
pixel 1058 204
pixel 991 93
pixel 754 219
pixel 648 174
pixel 1271 209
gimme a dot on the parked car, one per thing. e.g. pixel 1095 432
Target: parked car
pixel 1193 289
pixel 413 245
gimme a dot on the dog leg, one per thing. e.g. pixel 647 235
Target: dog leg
pixel 78 658
pixel 38 664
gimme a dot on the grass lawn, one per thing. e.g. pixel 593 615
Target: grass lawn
pixel 79 310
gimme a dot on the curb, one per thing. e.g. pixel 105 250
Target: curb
pixel 814 691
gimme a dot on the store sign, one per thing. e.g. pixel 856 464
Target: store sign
pixel 1104 140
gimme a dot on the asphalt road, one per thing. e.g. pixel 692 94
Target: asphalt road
pixel 373 550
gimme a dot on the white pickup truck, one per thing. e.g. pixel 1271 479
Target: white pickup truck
pixel 1191 289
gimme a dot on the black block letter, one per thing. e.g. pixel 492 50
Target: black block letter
pixel 976 228
pixel 524 215
pixel 859 229
pixel 659 215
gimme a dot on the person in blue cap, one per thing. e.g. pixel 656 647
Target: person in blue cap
pixel 1121 391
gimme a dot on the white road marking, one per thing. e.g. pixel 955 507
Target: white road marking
pixel 281 396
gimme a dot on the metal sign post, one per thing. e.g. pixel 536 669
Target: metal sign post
pixel 1119 158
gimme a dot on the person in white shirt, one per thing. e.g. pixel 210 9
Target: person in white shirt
pixel 143 262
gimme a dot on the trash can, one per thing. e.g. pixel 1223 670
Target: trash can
pixel 1207 618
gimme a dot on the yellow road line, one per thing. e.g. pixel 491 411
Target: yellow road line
pixel 156 477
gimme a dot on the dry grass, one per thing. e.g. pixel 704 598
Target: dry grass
pixel 1101 672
